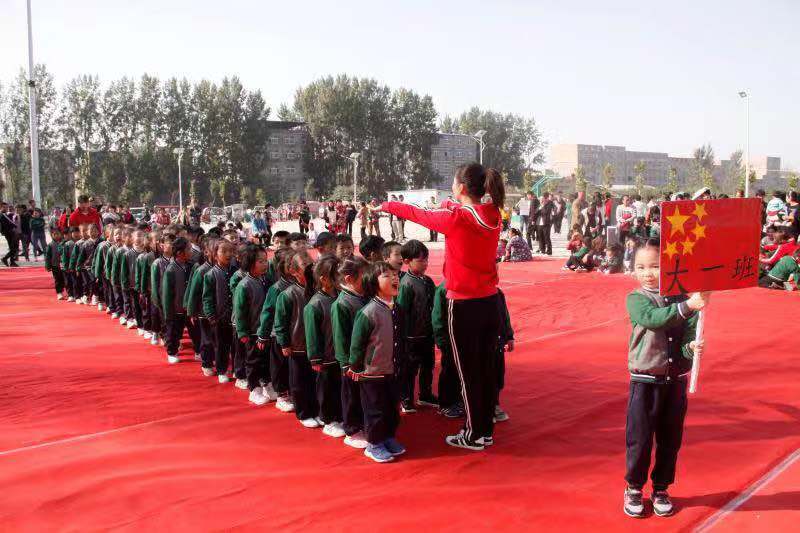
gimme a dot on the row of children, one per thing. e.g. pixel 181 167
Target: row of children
pixel 340 341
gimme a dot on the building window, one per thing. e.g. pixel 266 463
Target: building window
pixel 273 170
pixel 289 140
pixel 445 140
pixel 290 155
pixel 275 155
pixel 274 139
pixel 290 170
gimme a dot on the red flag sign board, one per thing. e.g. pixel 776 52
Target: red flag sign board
pixel 709 245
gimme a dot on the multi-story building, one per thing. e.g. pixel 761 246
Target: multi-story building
pixel 565 158
pixel 286 148
pixel 448 152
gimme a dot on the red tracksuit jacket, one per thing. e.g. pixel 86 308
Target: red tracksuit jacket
pixel 472 234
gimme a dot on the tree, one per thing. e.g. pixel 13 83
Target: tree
pixel 608 176
pixel 80 124
pixel 733 172
pixel 580 179
pixel 529 178
pixel 791 181
pixel 638 180
pixel 672 180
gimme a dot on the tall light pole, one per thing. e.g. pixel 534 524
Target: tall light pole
pixel 479 139
pixel 34 123
pixel 746 97
pixel 179 153
pixel 354 158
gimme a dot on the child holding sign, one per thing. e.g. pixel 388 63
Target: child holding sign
pixel 660 353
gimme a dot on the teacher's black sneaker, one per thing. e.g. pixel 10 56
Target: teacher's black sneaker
pixel 454 411
pixel 662 505
pixel 460 441
pixel 633 505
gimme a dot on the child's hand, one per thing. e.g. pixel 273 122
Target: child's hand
pixel 286 352
pixel 697 347
pixel 510 346
pixel 697 301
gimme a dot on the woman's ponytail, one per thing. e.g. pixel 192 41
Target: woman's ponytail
pixel 495 188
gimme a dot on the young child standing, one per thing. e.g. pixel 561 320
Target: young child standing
pixel 660 354
pixel 319 345
pixel 279 365
pixel 74 264
pixel 52 261
pixel 193 301
pixel 142 282
pixel 290 335
pixel 504 343
pixel 128 281
pixel 112 305
pixel 173 287
pixel 117 271
pixel 217 306
pixel 157 269
pixel 70 237
pixel 238 349
pixel 248 299
pixel 343 314
pixel 415 299
pixel 450 400
pixel 374 348
pixel 390 252
pixel 98 267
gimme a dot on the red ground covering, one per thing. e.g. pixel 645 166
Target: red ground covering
pixel 97 431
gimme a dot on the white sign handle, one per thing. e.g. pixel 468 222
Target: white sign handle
pixel 696 359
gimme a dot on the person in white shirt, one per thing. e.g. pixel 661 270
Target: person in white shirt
pixel 625 217
pixel 524 209
pixel 312 234
pixel 639 206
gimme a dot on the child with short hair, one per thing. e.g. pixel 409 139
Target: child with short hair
pixel 128 280
pixel 575 261
pixel 157 269
pixel 374 348
pixel 74 266
pixel 612 262
pixel 319 345
pixel 218 306
pixel 415 299
pixel 390 252
pixel 193 301
pixel 98 267
pixel 239 352
pixel 173 287
pixel 279 365
pixel 325 243
pixel 143 263
pixel 66 255
pixel 627 258
pixel 290 335
pixel 344 246
pixel 117 272
pixel 279 239
pixel 248 299
pixel 660 353
pixel 450 399
pixel 52 261
pixel 370 248
pixel 297 241
pixel 343 313
pixel 114 303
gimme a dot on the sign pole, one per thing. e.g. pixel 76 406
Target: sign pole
pixel 696 359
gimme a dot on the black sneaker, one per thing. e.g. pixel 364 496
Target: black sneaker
pixel 460 441
pixel 454 411
pixel 428 399
pixel 633 505
pixel 487 441
pixel 407 406
pixel 662 505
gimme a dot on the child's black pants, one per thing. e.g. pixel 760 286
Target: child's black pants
pixel 223 335
pixel 58 280
pixel 256 363
pixel 449 387
pixel 658 411
pixel 380 401
pixel 278 368
pixel 173 333
pixel 352 412
pixel 302 386
pixel 329 393
pixel 418 359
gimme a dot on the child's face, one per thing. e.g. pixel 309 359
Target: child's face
pixel 609 254
pixel 76 235
pixel 279 242
pixel 394 258
pixel 344 250
pixel 224 255
pixel 138 241
pixel 56 235
pixel 118 236
pixel 417 266
pixel 129 240
pixel 646 267
pixel 94 232
pixel 388 284
pixel 298 269
pixel 260 266
pixel 166 248
pixel 299 246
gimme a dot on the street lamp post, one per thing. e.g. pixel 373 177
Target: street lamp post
pixel 34 126
pixel 179 153
pixel 481 145
pixel 746 97
pixel 354 158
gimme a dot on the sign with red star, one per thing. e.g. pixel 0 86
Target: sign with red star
pixel 709 245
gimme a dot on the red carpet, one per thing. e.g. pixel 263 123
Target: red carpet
pixel 98 432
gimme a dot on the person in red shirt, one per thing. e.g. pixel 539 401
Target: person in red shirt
pixel 85 214
pixel 784 245
pixel 472 231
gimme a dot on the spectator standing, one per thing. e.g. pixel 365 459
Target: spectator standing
pixel 84 214
pixel 578 205
pixel 524 209
pixel 547 212
pixel 560 212
pixel 350 217
pixel 626 214
pixel 533 215
pixel 38 239
pixel 431 204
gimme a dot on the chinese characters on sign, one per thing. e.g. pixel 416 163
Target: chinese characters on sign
pixel 709 245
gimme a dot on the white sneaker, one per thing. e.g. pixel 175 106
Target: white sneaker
pixel 114 316
pixel 172 359
pixel 140 332
pixel 269 392
pixel 85 300
pixel 147 335
pixel 108 310
pixel 94 300
pixel 284 404
pixel 162 342
pixel 131 324
pixel 198 357
pixel 241 384
pixel 356 441
pixel 257 397
pixel 208 372
pixel 78 301
pixel 154 341
pixel 223 378
pixel 123 321
pixel 310 423
pixel 70 299
pixel 60 297
pixel 100 307
pixel 334 429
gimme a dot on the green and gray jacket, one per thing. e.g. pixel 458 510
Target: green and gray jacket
pixel 75 253
pixel 266 326
pixel 173 287
pixel 143 264
pixel 343 316
pixel 66 252
pixel 52 256
pixel 193 298
pixel 128 270
pixel 234 281
pixel 663 327
pixel 217 298
pixel 288 327
pixel 415 298
pixel 118 265
pixel 376 340
pixel 247 300
pixel 86 255
pixel 319 333
pixel 99 262
pixel 108 267
pixel 441 335
pixel 157 270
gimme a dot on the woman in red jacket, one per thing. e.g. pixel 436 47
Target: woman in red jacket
pixel 472 230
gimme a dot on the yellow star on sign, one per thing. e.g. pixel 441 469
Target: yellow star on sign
pixel 676 221
pixel 671 249
pixel 699 232
pixel 699 211
pixel 688 246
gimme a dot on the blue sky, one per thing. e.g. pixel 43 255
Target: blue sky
pixel 660 76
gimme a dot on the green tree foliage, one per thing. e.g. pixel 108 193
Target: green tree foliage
pixel 608 176
pixel 638 180
pixel 580 179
